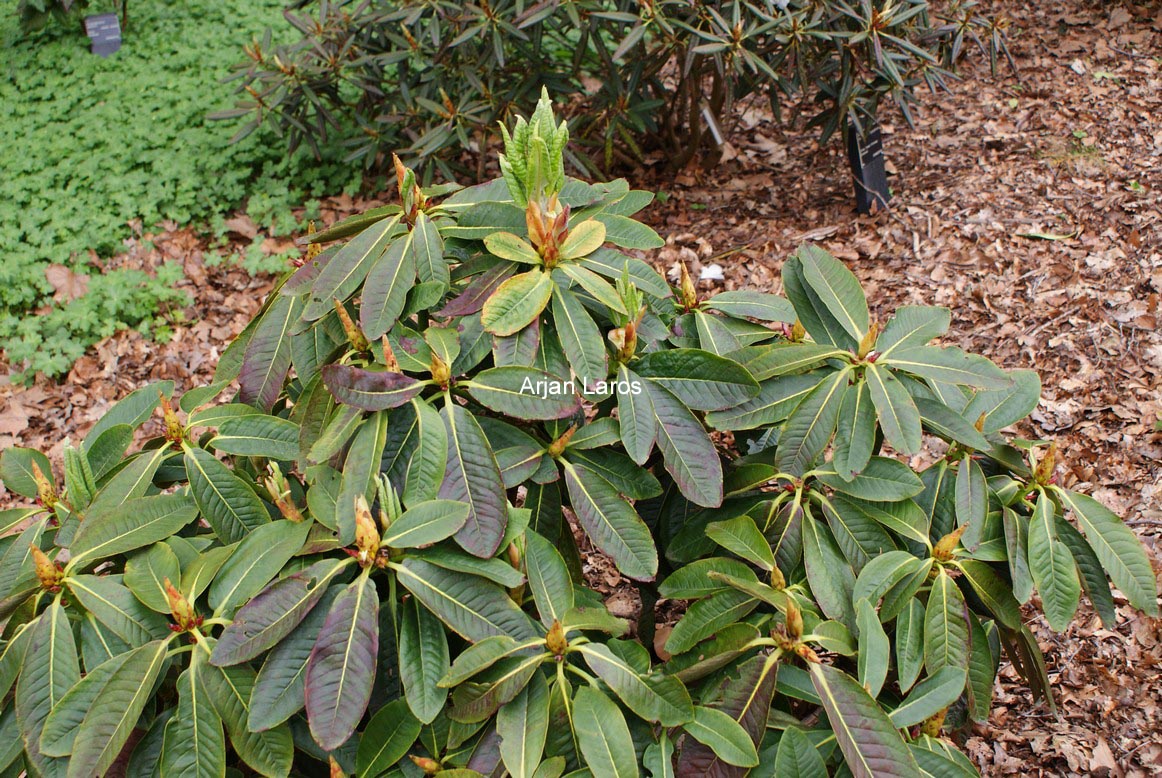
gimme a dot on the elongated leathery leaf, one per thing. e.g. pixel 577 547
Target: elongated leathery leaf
pixel 469 605
pixel 423 661
pixel 280 688
pixel 945 626
pixel 341 276
pixel 135 523
pixel 688 452
pixel 523 726
pixel 700 379
pixel 387 286
pixel 267 358
pixel 60 728
pixel 723 735
pixel 473 477
pixel 274 613
pixel 341 670
pixel 116 708
pixel 255 561
pixel 49 670
pixel 146 572
pixel 549 579
pixel 581 340
pixel 1120 552
pixel 230 689
pixel 1052 566
pixel 810 426
pixel 426 523
pixel 228 504
pixel 524 393
pixel 797 756
pixel 389 735
pixel 195 746
pixel 869 741
pixel 370 390
pixel 745 696
pixel 517 302
pixel 603 735
pixel 657 698
pixel 610 522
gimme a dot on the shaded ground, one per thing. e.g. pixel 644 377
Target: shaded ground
pixel 1071 149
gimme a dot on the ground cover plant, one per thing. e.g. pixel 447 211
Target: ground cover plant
pixel 436 77
pixel 95 143
pixel 362 561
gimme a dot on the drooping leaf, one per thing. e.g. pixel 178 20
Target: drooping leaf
pixel 1052 566
pixel 255 561
pixel 871 745
pixel 469 605
pixel 228 503
pixel 50 668
pixel 523 726
pixel 603 735
pixel 385 291
pixel 688 453
pixel 659 698
pixel 549 580
pixel 134 524
pixel 387 739
pixel 473 477
pixel 341 669
pixel 873 648
pixel 945 626
pixel 267 358
pixel 1120 552
pixel 195 745
pixel 742 536
pixel 370 390
pixel 423 661
pixel 932 695
pixel 610 522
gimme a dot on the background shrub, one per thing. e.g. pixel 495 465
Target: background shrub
pixel 435 77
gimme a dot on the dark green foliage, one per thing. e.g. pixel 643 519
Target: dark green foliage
pixel 431 77
pixel 376 571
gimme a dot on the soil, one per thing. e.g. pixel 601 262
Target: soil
pixel 1030 204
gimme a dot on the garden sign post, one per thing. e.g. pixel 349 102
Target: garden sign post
pixel 104 31
pixel 865 152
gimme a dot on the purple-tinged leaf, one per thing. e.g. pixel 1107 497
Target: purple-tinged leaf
pixel 471 300
pixel 472 476
pixel 370 390
pixel 341 670
pixel 746 698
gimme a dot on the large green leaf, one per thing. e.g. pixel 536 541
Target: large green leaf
pixel 603 736
pixel 611 524
pixel 700 379
pixel 230 689
pixel 472 476
pixel 705 617
pixel 837 288
pixel 657 698
pixel 273 613
pixel 115 606
pixel 385 292
pixel 757 305
pixel 469 605
pixel 60 728
pixel 423 661
pixel 831 579
pixel 147 571
pixel 723 735
pixel 909 644
pixel 195 746
pixel 426 523
pixel 855 434
pixel 635 415
pixel 361 468
pixel 994 592
pixel 258 436
pixel 880 480
pixel 523 726
pixel 810 426
pixel 341 670
pixel 797 756
pixel 280 688
pixel 932 695
pixel 871 745
pixel 972 501
pixel 388 737
pixel 256 560
pixel 116 707
pixel 517 302
pixel 949 365
pixel 742 537
pixel 49 670
pixel 688 452
pixel 581 340
pixel 228 504
pixel 913 325
pixel 744 695
pixel 873 648
pixel 1052 566
pixel 549 580
pixel 1120 552
pixel 345 271
pixel 524 393
pixel 135 523
pixel 945 626
pixel 897 413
